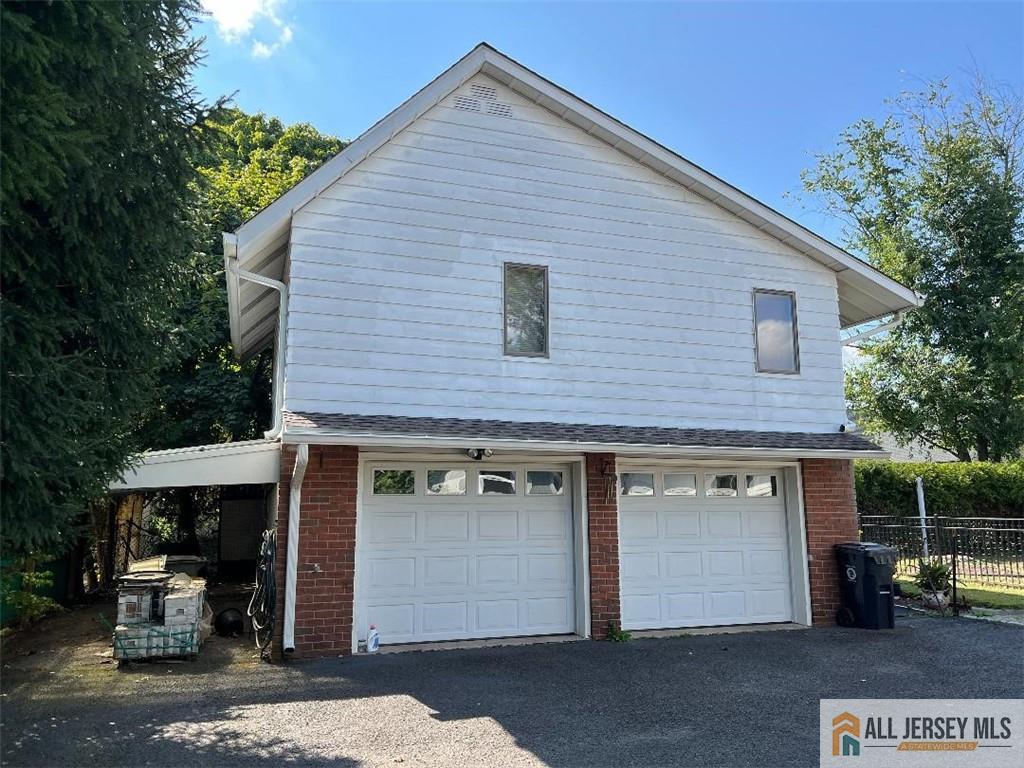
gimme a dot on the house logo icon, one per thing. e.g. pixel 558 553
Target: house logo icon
pixel 845 735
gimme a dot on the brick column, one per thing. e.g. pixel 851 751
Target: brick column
pixel 327 540
pixel 603 538
pixel 830 506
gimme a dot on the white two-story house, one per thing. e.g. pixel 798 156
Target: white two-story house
pixel 539 375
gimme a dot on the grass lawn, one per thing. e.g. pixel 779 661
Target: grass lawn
pixel 985 596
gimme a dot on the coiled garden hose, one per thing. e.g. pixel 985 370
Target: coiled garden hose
pixel 263 605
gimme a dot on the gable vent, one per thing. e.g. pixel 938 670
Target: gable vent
pixel 483 91
pixel 464 102
pixel 499 109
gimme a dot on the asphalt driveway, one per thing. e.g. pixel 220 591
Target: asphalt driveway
pixel 723 700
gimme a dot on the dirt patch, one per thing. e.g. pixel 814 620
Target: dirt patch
pixel 74 648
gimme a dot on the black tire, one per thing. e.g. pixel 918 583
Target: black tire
pixel 845 617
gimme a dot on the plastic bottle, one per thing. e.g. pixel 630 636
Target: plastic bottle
pixel 373 640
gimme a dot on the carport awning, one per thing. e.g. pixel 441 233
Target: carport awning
pixel 245 463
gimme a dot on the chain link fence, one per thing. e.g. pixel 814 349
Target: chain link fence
pixel 989 551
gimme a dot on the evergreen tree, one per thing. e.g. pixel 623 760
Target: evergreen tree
pixel 99 134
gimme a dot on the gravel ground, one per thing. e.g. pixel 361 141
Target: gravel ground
pixel 723 700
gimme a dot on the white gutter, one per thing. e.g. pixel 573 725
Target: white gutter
pixel 326 437
pixel 292 563
pixel 231 264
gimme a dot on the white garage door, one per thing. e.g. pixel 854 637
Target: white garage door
pixel 703 547
pixel 451 551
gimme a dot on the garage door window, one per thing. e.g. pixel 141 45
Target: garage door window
pixel 680 484
pixel 760 486
pixel 543 483
pixel 637 484
pixel 446 482
pixel 394 482
pixel 497 483
pixel 720 485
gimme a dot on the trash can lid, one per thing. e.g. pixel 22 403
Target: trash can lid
pixel 856 546
pixel 879 553
pixel 864 546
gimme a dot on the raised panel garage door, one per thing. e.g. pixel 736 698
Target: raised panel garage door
pixel 703 547
pixel 451 551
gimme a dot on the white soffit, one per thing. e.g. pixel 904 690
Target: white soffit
pixel 244 463
pixel 865 293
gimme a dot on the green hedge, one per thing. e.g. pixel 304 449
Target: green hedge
pixel 976 489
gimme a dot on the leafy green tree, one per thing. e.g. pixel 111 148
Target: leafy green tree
pixel 99 133
pixel 206 395
pixel 933 196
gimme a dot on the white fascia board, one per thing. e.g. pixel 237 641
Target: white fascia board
pixel 244 463
pixel 337 437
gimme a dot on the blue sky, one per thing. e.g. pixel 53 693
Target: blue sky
pixel 747 90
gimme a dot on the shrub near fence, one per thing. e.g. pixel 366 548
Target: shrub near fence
pixel 976 489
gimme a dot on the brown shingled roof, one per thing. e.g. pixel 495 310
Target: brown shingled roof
pixel 484 429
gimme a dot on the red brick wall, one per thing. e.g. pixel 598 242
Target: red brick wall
pixel 603 536
pixel 327 537
pixel 830 506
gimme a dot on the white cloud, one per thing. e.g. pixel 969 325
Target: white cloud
pixel 261 50
pixel 239 21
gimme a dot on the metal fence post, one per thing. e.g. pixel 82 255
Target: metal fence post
pixel 956 552
pixel 922 513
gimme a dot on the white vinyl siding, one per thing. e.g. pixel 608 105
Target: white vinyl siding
pixel 396 281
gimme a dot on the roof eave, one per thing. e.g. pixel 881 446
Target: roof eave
pixel 294 435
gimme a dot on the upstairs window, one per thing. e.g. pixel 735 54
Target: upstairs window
pixel 526 310
pixel 776 344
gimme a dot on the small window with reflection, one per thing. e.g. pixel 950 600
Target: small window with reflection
pixel 776 345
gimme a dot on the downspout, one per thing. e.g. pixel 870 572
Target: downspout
pixel 292 562
pixel 231 263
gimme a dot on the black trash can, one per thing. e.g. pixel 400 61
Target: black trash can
pixel 865 577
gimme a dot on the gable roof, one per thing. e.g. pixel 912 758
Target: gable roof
pixel 260 244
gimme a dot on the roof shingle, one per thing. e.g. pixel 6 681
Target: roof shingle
pixel 541 431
